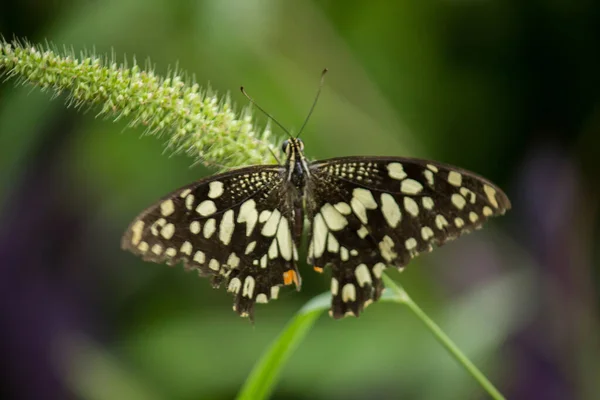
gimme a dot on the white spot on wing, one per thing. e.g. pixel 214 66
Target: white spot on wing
pixel 214 264
pixel 157 249
pixel 386 247
pixel 189 202
pixel 440 222
pixel 473 217
pixel 427 203
pixel 333 218
pixel 359 210
pixel 410 186
pixel 158 223
pixel 362 232
pixel 334 286
pixel 234 285
pixel 426 233
pixel 411 206
pixel 215 189
pixel 344 254
pixel 455 178
pixel 491 195
pixel 396 171
pixel 199 257
pixel 186 248
pixel 343 208
pixel 468 194
pixel 366 197
pixel 249 215
pixel 195 227
pixel 333 246
pixel 226 227
pixel 378 269
pixel 284 238
pixel 136 232
pixel 261 298
pixel 206 208
pixel 319 235
pixel 348 293
pixel 429 177
pixel 168 231
pixel 274 292
pixel 273 250
pixel 250 247
pixel 363 276
pixel 233 261
pixel 167 208
pixel 391 211
pixel 209 228
pixel 432 167
pixel 270 227
pixel 264 216
pixel 248 287
pixel 458 201
pixel 143 247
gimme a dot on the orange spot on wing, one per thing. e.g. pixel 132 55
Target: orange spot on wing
pixel 288 277
pixel 318 269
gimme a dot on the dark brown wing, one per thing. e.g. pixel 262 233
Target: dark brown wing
pixel 368 213
pixel 235 227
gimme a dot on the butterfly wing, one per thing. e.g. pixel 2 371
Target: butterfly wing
pixel 234 227
pixel 368 213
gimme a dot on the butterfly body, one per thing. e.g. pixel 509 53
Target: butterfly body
pixel 244 227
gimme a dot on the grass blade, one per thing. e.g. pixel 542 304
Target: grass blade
pixel 265 374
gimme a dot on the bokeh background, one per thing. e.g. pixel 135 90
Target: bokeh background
pixel 509 89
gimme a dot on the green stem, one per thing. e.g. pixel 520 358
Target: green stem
pixel 263 378
pixel 444 339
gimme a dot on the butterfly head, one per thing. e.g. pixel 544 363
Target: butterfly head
pixel 292 144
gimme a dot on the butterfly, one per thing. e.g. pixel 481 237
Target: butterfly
pixel 244 227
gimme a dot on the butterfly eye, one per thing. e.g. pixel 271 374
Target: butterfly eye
pixel 284 146
pixel 300 144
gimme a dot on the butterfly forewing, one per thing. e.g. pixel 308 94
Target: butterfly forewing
pixel 367 213
pixel 235 227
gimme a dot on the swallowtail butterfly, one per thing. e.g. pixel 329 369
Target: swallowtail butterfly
pixel 244 227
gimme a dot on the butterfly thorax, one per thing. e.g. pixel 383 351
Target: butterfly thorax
pixel 296 165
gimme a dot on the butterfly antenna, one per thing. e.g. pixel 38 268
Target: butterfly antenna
pixel 263 111
pixel 314 102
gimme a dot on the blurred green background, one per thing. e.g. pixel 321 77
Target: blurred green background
pixel 509 89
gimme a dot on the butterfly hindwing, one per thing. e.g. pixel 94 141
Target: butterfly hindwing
pixel 368 213
pixel 235 227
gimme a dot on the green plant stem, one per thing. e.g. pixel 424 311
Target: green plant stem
pixel 195 121
pixel 443 339
pixel 263 378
